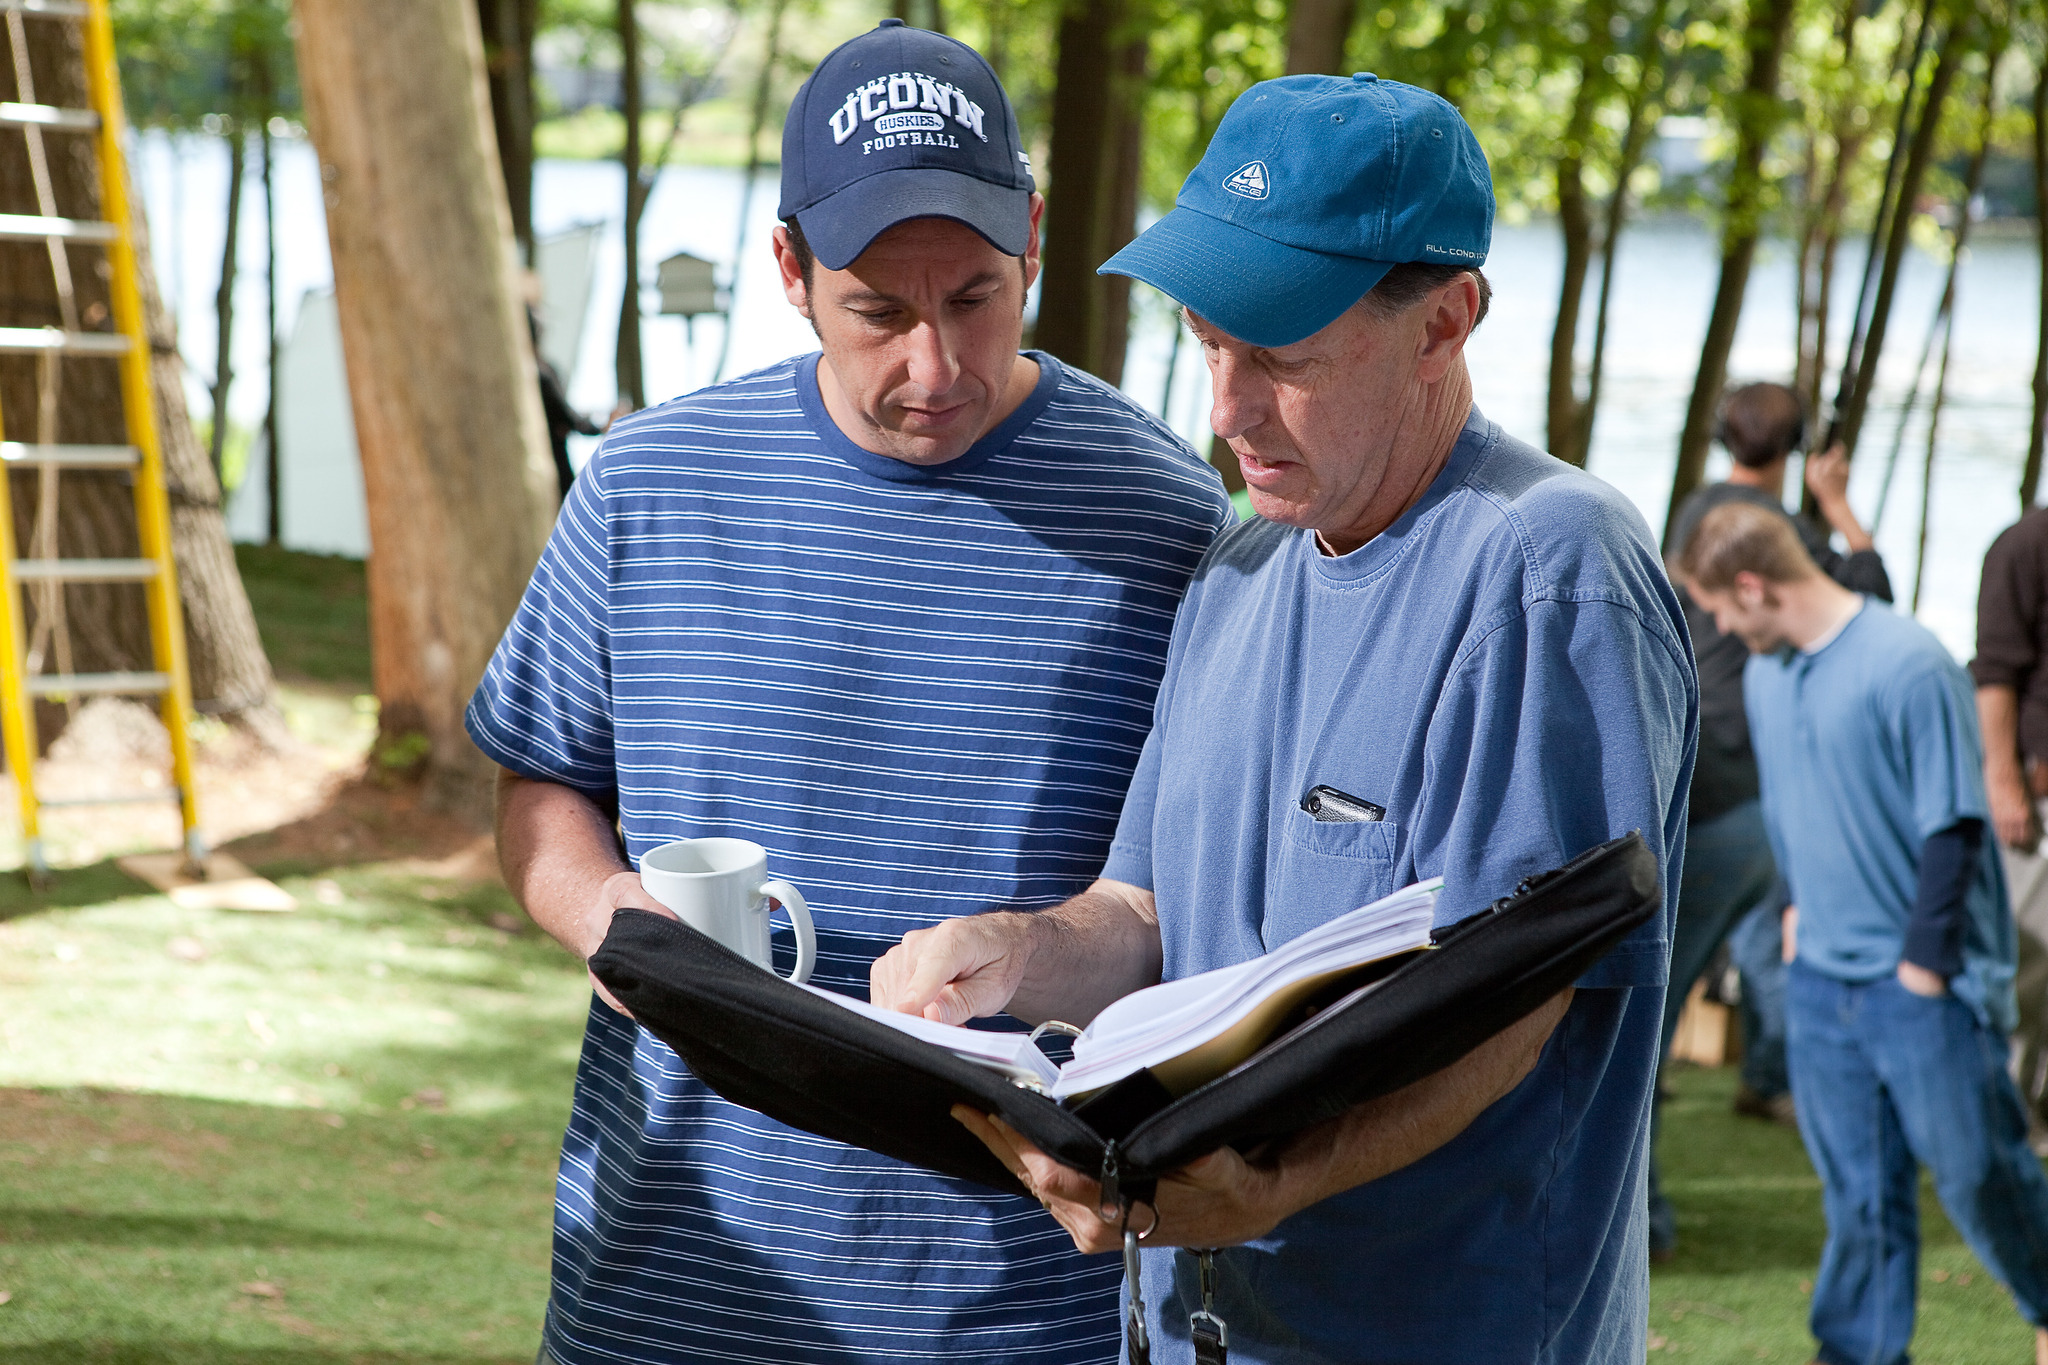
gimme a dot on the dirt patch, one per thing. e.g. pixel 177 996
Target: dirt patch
pixel 42 1123
pixel 308 801
pixel 364 821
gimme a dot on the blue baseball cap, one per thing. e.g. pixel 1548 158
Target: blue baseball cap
pixel 1313 188
pixel 903 123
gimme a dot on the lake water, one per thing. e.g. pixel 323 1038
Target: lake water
pixel 1666 278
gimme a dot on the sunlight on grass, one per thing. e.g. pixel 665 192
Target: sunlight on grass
pixel 322 1136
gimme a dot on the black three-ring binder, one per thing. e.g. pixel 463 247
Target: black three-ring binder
pixel 763 1043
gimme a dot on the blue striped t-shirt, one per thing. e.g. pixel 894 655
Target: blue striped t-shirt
pixel 923 690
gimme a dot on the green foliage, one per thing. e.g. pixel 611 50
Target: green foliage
pixel 1204 55
pixel 184 62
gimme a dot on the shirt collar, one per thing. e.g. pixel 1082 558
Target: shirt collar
pixel 837 443
pixel 1824 641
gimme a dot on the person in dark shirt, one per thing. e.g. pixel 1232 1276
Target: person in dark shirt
pixel 554 403
pixel 2012 707
pixel 1728 867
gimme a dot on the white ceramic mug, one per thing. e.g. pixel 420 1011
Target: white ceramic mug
pixel 719 887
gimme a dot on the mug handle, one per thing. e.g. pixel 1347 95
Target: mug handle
pixel 792 900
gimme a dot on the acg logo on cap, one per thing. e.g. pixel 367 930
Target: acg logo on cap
pixel 1249 180
pixel 907 105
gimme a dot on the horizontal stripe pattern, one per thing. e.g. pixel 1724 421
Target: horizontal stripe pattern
pixel 924 694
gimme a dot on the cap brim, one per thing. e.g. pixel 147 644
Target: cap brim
pixel 842 224
pixel 1258 290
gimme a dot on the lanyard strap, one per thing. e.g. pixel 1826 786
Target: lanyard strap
pixel 1208 1332
pixel 1137 1346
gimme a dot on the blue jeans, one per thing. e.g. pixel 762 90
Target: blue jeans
pixel 1757 949
pixel 1727 870
pixel 1885 1082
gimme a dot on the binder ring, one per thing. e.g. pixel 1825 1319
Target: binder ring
pixel 1154 1225
pixel 1052 1026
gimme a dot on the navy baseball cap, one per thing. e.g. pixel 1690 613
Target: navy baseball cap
pixel 1313 188
pixel 903 123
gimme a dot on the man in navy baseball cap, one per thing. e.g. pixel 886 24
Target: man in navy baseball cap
pixel 896 610
pixel 1476 648
pixel 901 123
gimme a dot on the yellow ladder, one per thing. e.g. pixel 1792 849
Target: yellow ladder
pixel 129 344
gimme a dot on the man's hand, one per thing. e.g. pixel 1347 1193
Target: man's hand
pixel 2013 813
pixel 959 969
pixel 1788 925
pixel 1920 981
pixel 1225 1198
pixel 1827 476
pixel 1214 1201
pixel 619 890
pixel 1066 962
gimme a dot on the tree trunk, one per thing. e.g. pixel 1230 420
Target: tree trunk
pixel 1450 56
pixel 458 481
pixel 1317 31
pixel 1635 144
pixel 1575 225
pixel 764 86
pixel 1973 180
pixel 273 459
pixel 631 373
pixel 1758 113
pixel 508 30
pixel 107 625
pixel 1083 318
pixel 224 299
pixel 2037 438
pixel 1849 416
pixel 1880 223
pixel 929 14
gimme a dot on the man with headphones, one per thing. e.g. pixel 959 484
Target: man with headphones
pixel 1728 867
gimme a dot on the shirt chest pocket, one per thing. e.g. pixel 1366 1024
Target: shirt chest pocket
pixel 1323 869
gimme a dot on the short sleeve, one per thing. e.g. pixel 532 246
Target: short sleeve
pixel 543 709
pixel 1936 728
pixel 1130 853
pixel 2007 608
pixel 1570 725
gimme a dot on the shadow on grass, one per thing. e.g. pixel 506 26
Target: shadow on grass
pixel 371 819
pixel 70 889
pixel 27 1225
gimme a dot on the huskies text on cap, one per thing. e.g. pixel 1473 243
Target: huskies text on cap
pixel 902 123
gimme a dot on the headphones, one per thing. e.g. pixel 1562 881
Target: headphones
pixel 1793 446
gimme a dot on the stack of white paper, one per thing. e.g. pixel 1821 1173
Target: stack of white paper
pixel 1191 1030
pixel 1154 1026
pixel 1013 1054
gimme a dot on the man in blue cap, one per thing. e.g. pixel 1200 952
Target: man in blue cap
pixel 896 610
pixel 1470 652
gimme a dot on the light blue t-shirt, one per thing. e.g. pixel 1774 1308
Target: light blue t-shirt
pixel 1866 747
pixel 923 690
pixel 1506 671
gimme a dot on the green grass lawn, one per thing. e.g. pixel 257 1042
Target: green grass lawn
pixel 330 1136
pixel 322 1136
pixel 1749 1227
pixel 312 612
